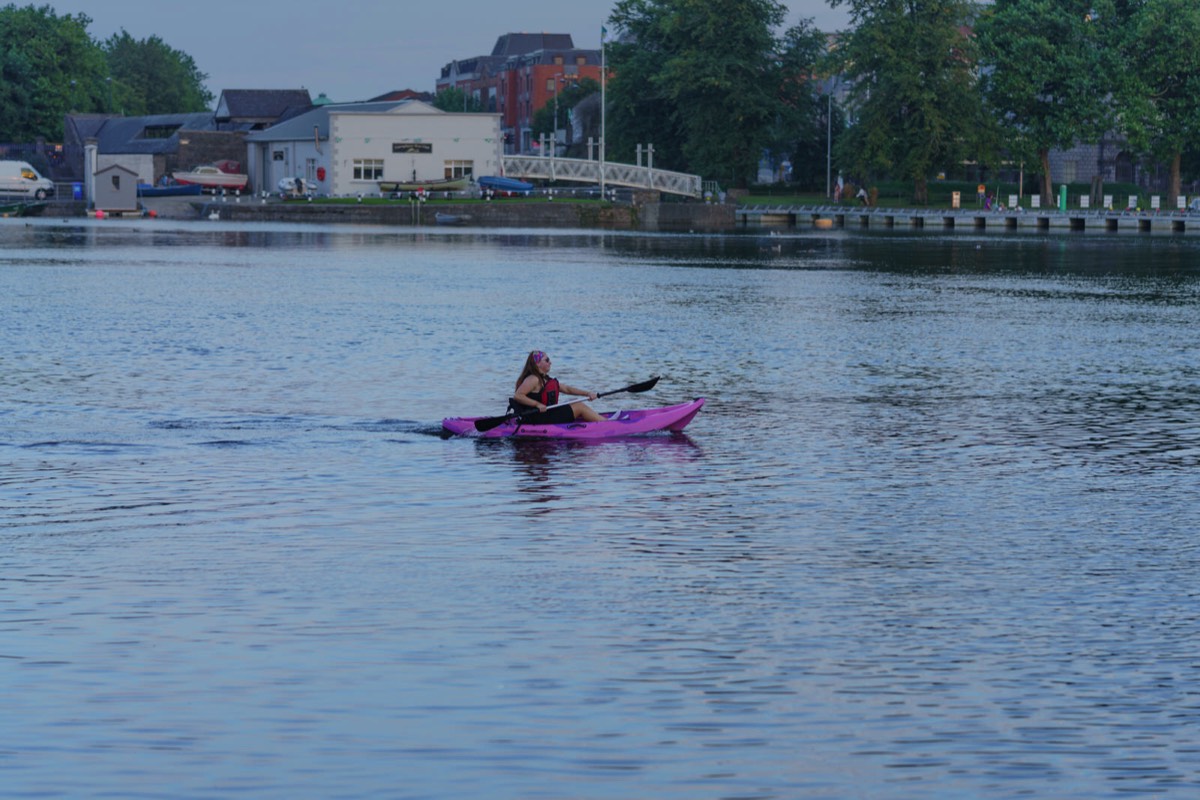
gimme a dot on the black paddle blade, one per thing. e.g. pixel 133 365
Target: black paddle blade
pixel 644 386
pixel 487 423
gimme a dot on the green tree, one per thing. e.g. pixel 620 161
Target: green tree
pixel 48 66
pixel 698 79
pixel 1050 74
pixel 570 94
pixel 455 99
pixel 1162 115
pixel 915 95
pixel 151 77
pixel 802 126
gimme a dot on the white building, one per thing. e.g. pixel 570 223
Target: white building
pixel 345 150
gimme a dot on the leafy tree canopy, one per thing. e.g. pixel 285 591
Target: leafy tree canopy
pixel 570 94
pixel 51 66
pixel 701 80
pixel 1162 116
pixel 455 99
pixel 153 78
pixel 1050 77
pixel 915 93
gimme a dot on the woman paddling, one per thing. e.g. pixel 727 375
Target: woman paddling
pixel 537 390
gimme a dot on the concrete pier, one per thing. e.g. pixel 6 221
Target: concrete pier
pixel 849 217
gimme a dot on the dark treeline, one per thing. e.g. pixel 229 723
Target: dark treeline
pixel 50 66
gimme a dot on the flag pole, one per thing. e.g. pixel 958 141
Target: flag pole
pixel 603 102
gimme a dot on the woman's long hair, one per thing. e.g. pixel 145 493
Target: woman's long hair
pixel 531 362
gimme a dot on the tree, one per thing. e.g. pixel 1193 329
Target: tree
pixel 48 66
pixel 915 94
pixel 698 79
pixel 1161 115
pixel 455 99
pixel 570 94
pixel 802 123
pixel 1050 74
pixel 151 77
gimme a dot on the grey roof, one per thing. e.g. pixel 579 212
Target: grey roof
pixel 127 134
pixel 301 127
pixel 516 44
pixel 261 103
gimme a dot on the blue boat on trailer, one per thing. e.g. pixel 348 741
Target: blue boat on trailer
pixel 498 183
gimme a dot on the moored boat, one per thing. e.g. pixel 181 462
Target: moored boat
pixel 615 425
pixel 439 185
pixel 498 183
pixel 168 190
pixel 22 209
pixel 210 177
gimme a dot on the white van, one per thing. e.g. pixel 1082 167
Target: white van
pixel 19 177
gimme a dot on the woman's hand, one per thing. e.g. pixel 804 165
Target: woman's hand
pixel 540 406
pixel 592 395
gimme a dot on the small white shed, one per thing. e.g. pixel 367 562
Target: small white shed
pixel 116 188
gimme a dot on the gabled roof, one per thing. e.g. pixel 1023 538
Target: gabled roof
pixel 260 104
pixel 403 94
pixel 517 44
pixel 302 127
pixel 112 167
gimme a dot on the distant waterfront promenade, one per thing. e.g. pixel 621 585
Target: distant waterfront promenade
pixel 1103 220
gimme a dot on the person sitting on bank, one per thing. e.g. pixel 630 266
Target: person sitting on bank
pixel 537 390
pixel 862 195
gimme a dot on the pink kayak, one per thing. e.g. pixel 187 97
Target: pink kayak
pixel 616 424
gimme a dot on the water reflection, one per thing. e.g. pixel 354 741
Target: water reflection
pixel 933 536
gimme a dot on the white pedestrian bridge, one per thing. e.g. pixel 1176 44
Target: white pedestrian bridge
pixel 553 168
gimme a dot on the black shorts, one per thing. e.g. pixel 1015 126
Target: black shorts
pixel 551 416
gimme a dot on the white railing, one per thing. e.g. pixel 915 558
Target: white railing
pixel 615 174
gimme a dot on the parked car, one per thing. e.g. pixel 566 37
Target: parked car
pixel 19 177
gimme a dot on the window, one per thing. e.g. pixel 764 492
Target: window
pixel 460 169
pixel 549 84
pixel 581 60
pixel 368 169
pixel 558 59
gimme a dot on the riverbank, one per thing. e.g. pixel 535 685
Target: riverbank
pixel 646 217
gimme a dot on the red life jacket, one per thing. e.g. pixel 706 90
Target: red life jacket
pixel 548 396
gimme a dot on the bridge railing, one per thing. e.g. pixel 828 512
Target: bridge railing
pixel 615 174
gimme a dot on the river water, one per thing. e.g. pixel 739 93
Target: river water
pixel 934 534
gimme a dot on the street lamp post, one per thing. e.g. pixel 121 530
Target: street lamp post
pixel 554 144
pixel 603 104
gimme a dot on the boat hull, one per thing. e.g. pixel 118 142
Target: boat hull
pixel 627 423
pixel 213 180
pixel 29 209
pixel 497 183
pixel 443 185
pixel 177 190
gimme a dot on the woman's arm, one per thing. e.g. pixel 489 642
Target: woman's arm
pixel 522 397
pixel 562 387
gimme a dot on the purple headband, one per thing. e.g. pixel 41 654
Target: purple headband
pixel 537 356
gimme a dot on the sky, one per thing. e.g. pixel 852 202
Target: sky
pixel 351 49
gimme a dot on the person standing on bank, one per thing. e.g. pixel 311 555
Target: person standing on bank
pixel 537 390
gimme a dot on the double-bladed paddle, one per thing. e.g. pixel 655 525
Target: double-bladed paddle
pixel 487 423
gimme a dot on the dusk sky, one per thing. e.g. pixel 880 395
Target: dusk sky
pixel 351 49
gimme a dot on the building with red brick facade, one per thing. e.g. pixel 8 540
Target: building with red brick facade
pixel 522 75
